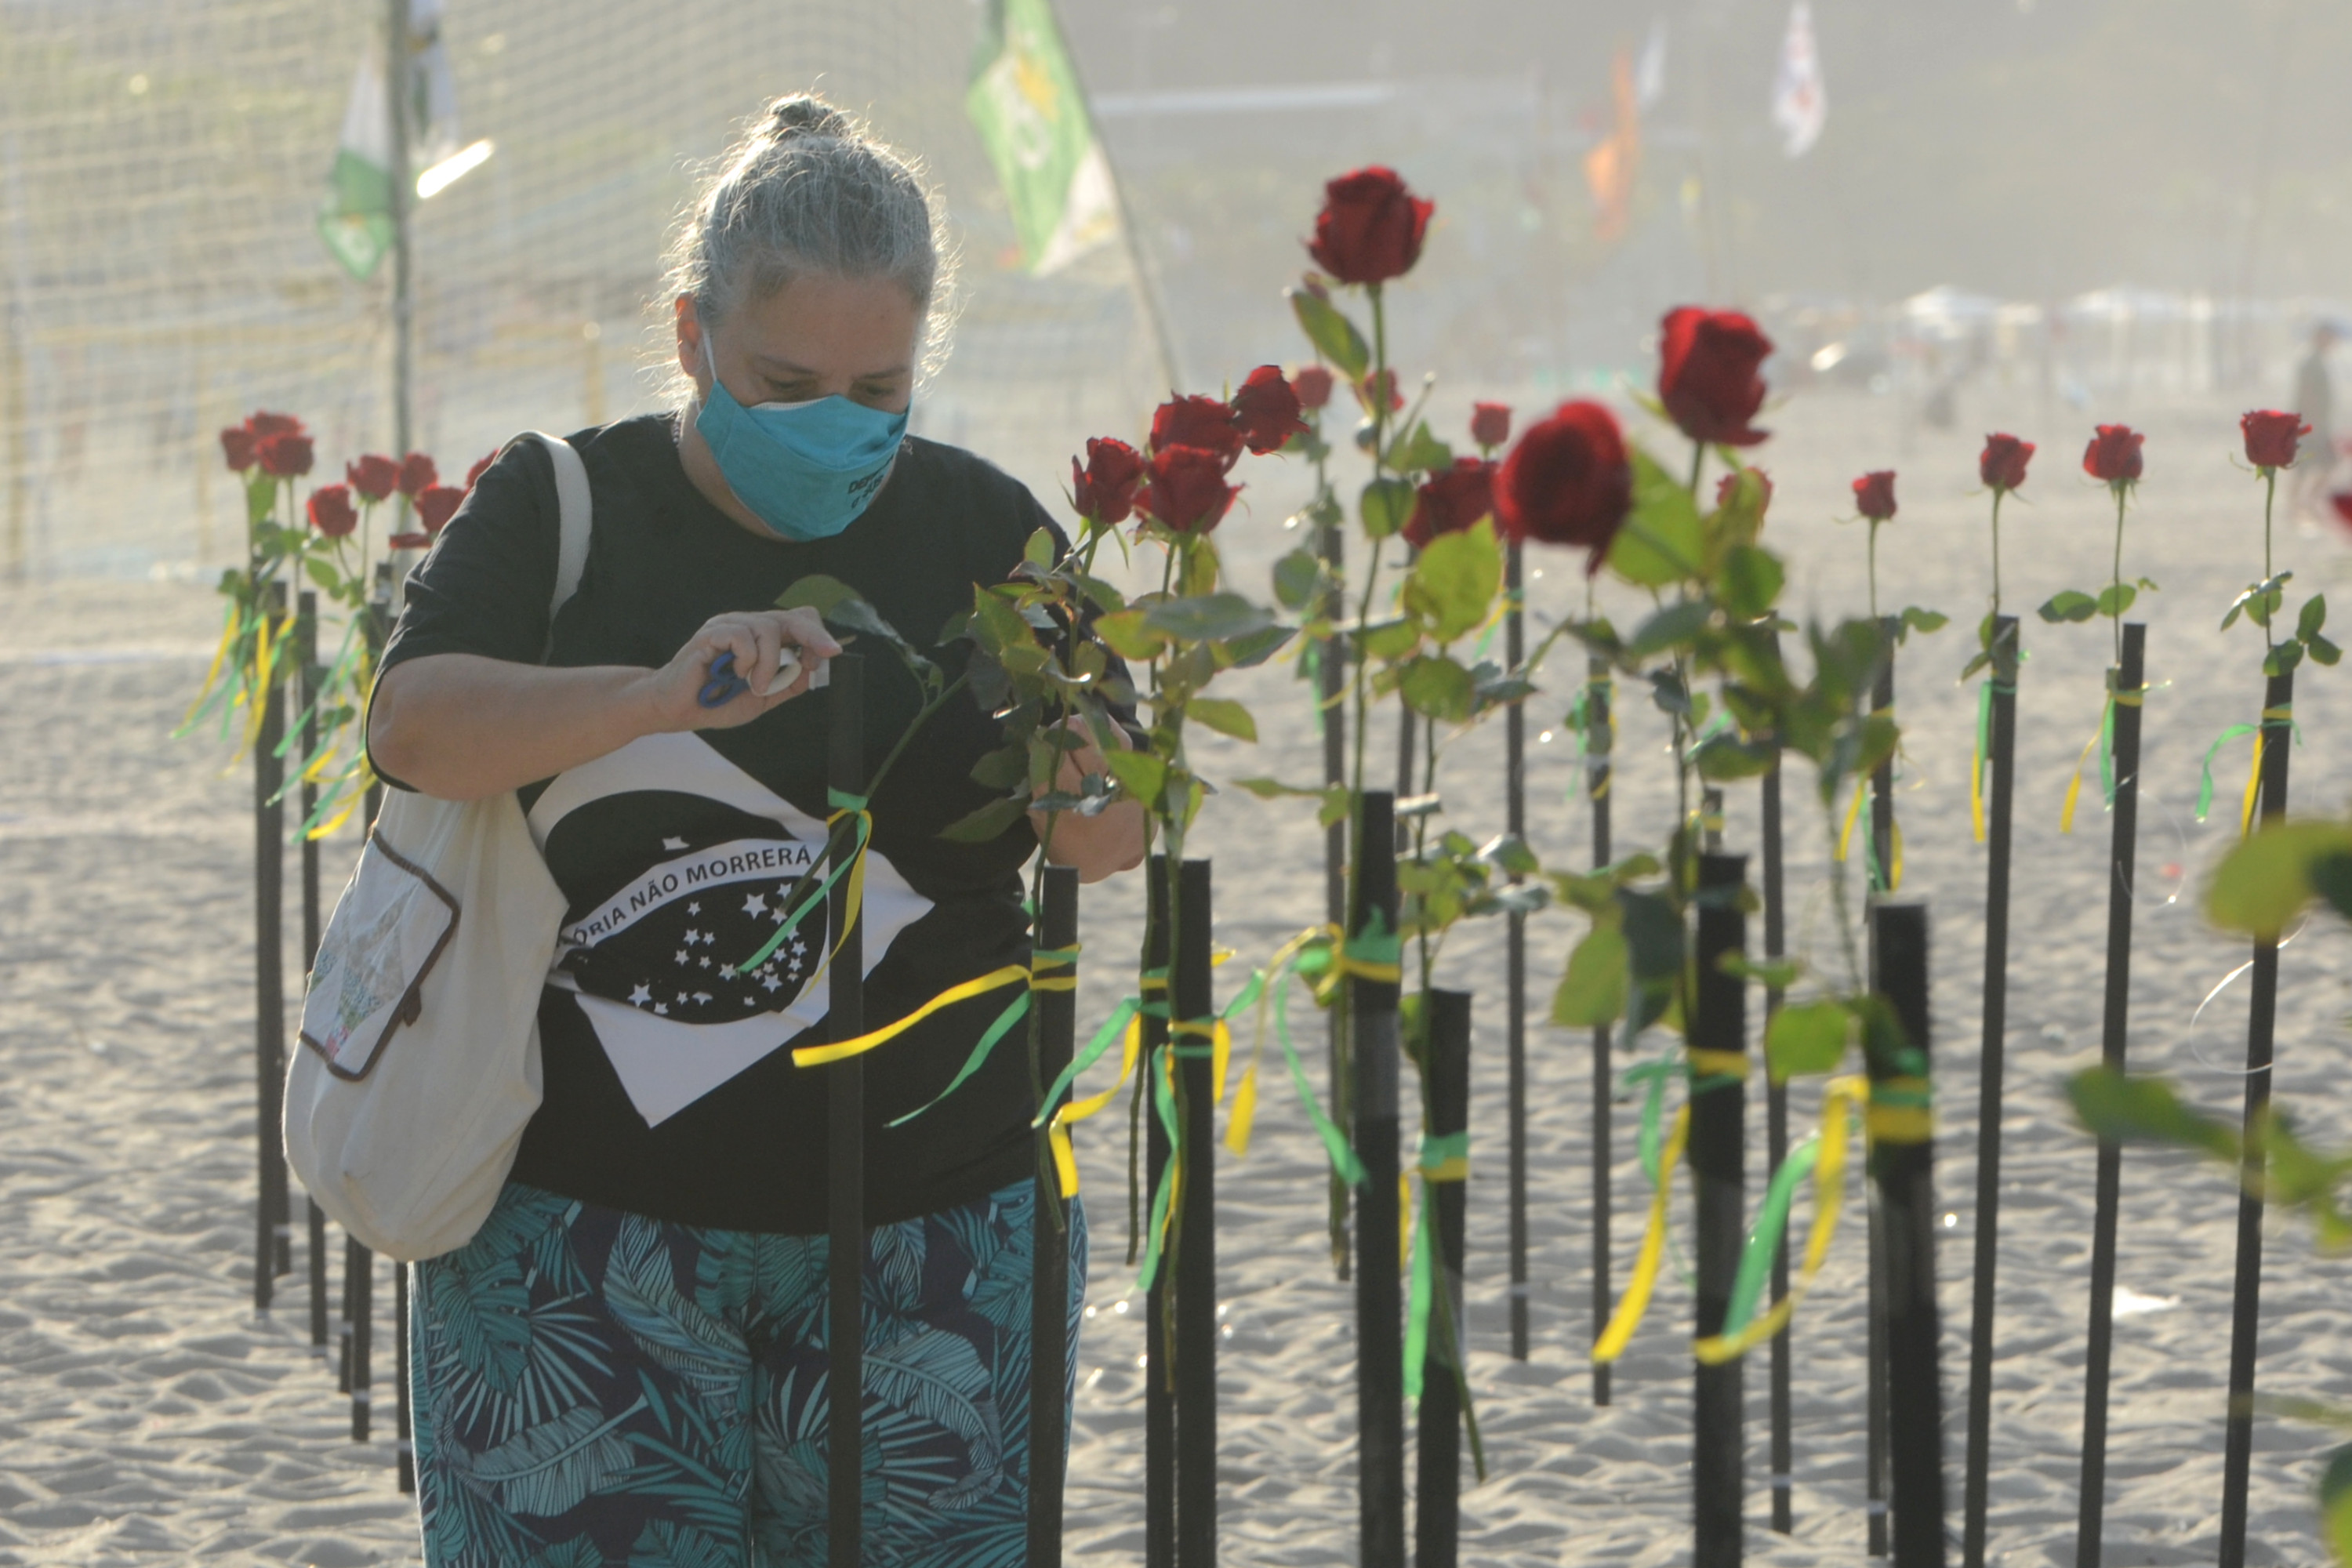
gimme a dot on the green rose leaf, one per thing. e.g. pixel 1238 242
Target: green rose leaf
pixel 2123 1109
pixel 1142 774
pixel 1386 505
pixel 1453 584
pixel 2313 616
pixel 1806 1038
pixel 1438 687
pixel 1225 716
pixel 2069 605
pixel 1661 542
pixel 1673 626
pixel 1419 452
pixel 1205 617
pixel 1593 992
pixel 2265 881
pixel 1749 582
pixel 1332 334
pixel 1298 579
pixel 2116 598
pixel 988 823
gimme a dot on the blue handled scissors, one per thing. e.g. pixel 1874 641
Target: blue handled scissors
pixel 724 685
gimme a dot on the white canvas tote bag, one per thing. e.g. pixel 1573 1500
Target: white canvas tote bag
pixel 417 1065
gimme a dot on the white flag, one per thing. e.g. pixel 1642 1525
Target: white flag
pixel 1799 104
pixel 1650 75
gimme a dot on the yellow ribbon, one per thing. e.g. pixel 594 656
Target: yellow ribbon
pixel 1845 838
pixel 1644 1279
pixel 1066 1160
pixel 995 979
pixel 1705 1064
pixel 1897 1122
pixel 220 657
pixel 1839 1101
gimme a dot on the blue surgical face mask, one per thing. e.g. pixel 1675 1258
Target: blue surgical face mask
pixel 807 470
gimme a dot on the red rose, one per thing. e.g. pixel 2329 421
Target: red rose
pixel 1105 489
pixel 2270 437
pixel 1708 365
pixel 1490 423
pixel 2002 465
pixel 331 513
pixel 481 466
pixel 236 446
pixel 1202 422
pixel 1379 388
pixel 1729 486
pixel 1874 495
pixel 1187 491
pixel 264 424
pixel 417 475
pixel 1265 410
pixel 1371 227
pixel 1452 501
pixel 374 477
pixel 2342 501
pixel 1313 385
pixel 1567 482
pixel 2113 456
pixel 435 503
pixel 284 455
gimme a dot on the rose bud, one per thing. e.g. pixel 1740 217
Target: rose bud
pixel 1203 423
pixel 1451 500
pixel 285 456
pixel 264 424
pixel 1567 482
pixel 1105 489
pixel 1313 385
pixel 2270 437
pixel 2113 456
pixel 1379 388
pixel 236 446
pixel 1187 491
pixel 331 513
pixel 417 475
pixel 1874 495
pixel 481 466
pixel 1490 423
pixel 435 503
pixel 1727 487
pixel 2342 501
pixel 1707 374
pixel 1371 227
pixel 375 478
pixel 1265 411
pixel 2002 465
pixel 411 541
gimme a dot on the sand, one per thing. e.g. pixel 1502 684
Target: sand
pixel 149 1416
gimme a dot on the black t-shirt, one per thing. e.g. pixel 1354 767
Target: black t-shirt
pixel 669 1088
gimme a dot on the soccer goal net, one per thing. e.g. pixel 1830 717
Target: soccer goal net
pixel 162 167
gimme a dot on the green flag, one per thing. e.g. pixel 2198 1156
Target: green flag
pixel 1026 101
pixel 356 219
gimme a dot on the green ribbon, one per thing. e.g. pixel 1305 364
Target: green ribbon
pixel 1113 1029
pixel 1435 1151
pixel 1014 1011
pixel 1164 1100
pixel 839 800
pixel 1764 1241
pixel 1335 1147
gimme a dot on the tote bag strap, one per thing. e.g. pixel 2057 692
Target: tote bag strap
pixel 575 507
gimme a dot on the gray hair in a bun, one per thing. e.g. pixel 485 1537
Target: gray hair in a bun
pixel 810 188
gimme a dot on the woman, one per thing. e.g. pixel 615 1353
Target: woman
pixel 626 1364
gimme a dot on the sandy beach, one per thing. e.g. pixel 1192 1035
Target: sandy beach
pixel 147 1416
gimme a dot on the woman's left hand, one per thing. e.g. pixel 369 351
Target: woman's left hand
pixel 1110 841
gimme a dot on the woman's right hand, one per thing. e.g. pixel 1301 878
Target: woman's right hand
pixel 673 694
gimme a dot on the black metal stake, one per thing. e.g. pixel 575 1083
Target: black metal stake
pixel 1158 1385
pixel 1514 957
pixel 2127 681
pixel 1195 1259
pixel 268 971
pixel 1597 748
pixel 1882 883
pixel 1718 1144
pixel 1902 1163
pixel 846 772
pixel 307 656
pixel 1776 1148
pixel 405 1450
pixel 1437 1490
pixel 1050 1369
pixel 363 1341
pixel 1379 1316
pixel 2237 1452
pixel 352 1253
pixel 2001 759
